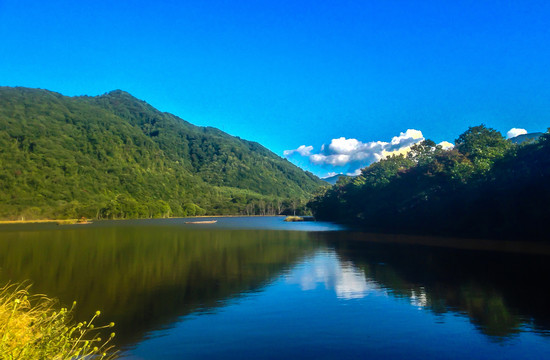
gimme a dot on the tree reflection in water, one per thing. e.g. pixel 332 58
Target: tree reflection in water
pixel 500 292
pixel 145 277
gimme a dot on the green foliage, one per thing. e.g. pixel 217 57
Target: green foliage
pixel 114 156
pixel 381 173
pixel 424 152
pixel 485 186
pixel 191 209
pixel 482 145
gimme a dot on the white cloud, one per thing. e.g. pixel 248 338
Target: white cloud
pixel 513 132
pixel 344 146
pixel 407 136
pixel 357 172
pixel 334 160
pixel 330 174
pixel 317 159
pixel 341 151
pixel 349 156
pixel 302 150
pixel 446 145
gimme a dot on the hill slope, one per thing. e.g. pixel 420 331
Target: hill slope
pixel 116 156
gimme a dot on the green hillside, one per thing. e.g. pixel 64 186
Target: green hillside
pixel 114 156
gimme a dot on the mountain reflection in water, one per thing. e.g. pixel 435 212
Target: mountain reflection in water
pixel 184 290
pixel 143 276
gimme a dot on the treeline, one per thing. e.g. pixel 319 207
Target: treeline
pixel 124 206
pixel 484 186
pixel 114 156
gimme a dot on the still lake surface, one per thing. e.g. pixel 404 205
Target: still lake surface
pixel 263 288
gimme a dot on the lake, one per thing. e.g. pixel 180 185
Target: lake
pixel 262 288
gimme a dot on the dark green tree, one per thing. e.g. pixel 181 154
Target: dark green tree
pixel 486 187
pixel 482 145
pixel 423 152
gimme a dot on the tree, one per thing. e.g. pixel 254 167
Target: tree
pixel 482 146
pixel 381 173
pixel 423 152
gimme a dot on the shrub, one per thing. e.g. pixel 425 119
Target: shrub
pixel 32 328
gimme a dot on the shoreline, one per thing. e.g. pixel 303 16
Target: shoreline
pixel 75 221
pixel 49 221
pixel 457 243
pixel 454 242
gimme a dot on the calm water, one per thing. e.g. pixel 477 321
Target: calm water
pixel 263 288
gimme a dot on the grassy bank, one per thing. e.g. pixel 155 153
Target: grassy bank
pixel 58 222
pixel 32 327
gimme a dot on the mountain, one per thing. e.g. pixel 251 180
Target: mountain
pixel 334 179
pixel 116 156
pixel 526 138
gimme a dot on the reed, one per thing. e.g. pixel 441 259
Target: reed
pixel 31 327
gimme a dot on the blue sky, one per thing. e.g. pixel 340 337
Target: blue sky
pixel 292 73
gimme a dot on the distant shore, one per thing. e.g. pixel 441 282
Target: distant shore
pixel 75 221
pixel 59 222
pixel 211 216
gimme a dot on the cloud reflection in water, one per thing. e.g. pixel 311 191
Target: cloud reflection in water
pixel 347 281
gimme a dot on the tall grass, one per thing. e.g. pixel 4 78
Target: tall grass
pixel 31 327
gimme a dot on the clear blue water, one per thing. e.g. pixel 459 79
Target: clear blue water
pixel 262 288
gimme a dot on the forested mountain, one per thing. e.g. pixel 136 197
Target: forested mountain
pixel 114 156
pixel 485 186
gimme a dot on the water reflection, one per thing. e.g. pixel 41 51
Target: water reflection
pixel 349 299
pixel 328 270
pixel 142 276
pixel 147 276
pixel 501 293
